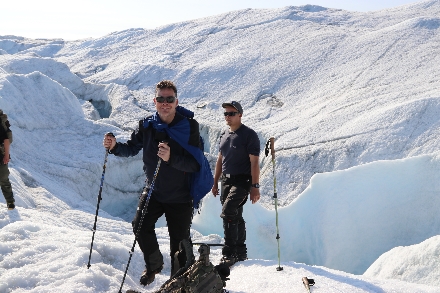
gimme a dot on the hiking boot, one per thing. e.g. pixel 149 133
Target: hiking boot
pixel 228 260
pixel 241 257
pixel 223 271
pixel 10 205
pixel 148 277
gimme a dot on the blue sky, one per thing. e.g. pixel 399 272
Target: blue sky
pixel 95 18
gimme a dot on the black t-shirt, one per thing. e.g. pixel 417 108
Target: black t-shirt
pixel 235 148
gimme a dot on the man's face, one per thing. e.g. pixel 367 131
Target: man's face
pixel 165 108
pixel 232 120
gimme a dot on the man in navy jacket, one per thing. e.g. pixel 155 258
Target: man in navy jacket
pixel 171 192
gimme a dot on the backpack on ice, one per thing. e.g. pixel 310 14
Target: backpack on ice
pixel 201 277
pixel 5 124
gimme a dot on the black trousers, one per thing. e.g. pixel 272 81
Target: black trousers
pixel 178 217
pixel 234 195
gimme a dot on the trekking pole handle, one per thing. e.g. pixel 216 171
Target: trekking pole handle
pixel 109 134
pixel 272 147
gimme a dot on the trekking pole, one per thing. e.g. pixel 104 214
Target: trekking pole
pixel 307 283
pixel 144 211
pixel 99 199
pixel 271 141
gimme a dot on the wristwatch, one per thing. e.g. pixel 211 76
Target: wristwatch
pixel 256 185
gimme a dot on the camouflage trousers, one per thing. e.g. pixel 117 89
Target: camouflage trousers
pixel 5 183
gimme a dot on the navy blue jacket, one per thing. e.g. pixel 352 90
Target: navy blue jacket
pixel 172 183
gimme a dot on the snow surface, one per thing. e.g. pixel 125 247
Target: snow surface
pixel 352 100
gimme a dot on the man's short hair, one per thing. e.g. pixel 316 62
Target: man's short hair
pixel 166 84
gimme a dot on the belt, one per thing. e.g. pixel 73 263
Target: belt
pixel 237 176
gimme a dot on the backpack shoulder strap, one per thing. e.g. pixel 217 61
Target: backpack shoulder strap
pixel 4 120
pixel 223 132
pixel 145 123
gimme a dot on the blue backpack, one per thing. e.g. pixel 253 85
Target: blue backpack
pixel 201 181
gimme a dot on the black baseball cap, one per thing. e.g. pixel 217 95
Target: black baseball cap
pixel 235 105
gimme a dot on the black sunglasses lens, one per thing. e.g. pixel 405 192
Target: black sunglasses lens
pixel 229 113
pixel 169 99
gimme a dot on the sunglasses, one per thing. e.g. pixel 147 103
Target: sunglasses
pixel 230 113
pixel 169 99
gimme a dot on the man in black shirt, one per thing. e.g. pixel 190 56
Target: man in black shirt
pixel 171 192
pixel 237 166
pixel 4 170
